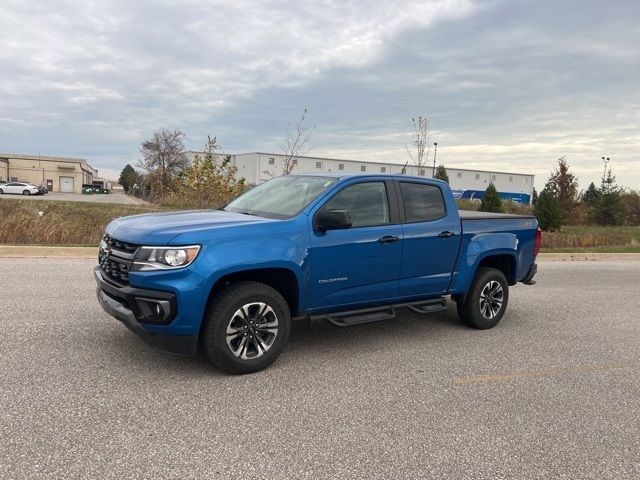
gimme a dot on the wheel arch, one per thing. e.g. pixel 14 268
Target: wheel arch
pixel 504 262
pixel 281 279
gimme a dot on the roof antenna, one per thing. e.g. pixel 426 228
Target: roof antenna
pixel 404 169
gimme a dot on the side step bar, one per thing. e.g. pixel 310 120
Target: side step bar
pixel 377 314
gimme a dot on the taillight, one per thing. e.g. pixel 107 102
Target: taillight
pixel 536 248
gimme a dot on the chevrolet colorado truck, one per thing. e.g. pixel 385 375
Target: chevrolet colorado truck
pixel 346 248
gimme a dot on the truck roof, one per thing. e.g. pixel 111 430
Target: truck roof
pixel 362 175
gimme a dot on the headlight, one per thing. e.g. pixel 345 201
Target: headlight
pixel 164 258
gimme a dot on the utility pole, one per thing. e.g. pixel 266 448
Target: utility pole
pixel 435 151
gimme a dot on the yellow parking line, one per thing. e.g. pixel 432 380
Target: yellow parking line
pixel 502 377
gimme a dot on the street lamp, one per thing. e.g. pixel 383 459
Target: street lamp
pixel 605 161
pixel 435 152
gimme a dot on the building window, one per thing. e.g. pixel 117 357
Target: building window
pixel 318 164
pixel 383 169
pixel 363 168
pixel 272 161
pixel 477 176
pixel 525 179
pixel 493 178
pixel 341 166
pixel 295 162
pixel 510 179
pixel 459 175
pixel 422 172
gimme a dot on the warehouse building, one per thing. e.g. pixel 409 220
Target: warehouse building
pixel 257 167
pixel 61 174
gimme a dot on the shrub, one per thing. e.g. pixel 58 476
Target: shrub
pixel 548 211
pixel 491 201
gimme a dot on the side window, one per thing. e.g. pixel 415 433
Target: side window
pixel 367 203
pixel 422 202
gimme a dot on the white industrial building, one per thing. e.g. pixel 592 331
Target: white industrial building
pixel 257 167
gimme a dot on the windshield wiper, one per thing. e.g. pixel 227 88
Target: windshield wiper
pixel 246 212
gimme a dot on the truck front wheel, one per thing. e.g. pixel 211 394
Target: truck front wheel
pixel 246 328
pixel 484 305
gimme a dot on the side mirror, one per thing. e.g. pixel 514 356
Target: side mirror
pixel 332 220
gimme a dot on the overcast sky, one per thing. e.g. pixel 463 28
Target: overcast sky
pixel 507 85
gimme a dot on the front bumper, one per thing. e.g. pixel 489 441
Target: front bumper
pixel 131 306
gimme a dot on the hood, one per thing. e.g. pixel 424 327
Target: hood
pixel 161 228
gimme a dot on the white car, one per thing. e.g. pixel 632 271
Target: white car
pixel 19 188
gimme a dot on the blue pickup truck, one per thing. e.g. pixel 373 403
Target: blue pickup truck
pixel 346 248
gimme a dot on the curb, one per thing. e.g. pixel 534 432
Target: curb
pixel 588 257
pixel 39 251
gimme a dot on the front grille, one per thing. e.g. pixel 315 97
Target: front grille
pixel 120 245
pixel 115 261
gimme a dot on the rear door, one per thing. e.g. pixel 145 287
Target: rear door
pixel 430 241
pixel 360 264
pixel 14 187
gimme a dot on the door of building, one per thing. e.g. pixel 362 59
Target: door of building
pixel 66 184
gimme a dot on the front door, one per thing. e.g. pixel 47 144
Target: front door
pixel 431 240
pixel 358 264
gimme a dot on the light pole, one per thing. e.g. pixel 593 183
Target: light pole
pixel 605 161
pixel 435 152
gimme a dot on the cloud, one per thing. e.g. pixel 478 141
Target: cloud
pixel 508 85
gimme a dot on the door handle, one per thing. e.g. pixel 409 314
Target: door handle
pixel 446 234
pixel 388 239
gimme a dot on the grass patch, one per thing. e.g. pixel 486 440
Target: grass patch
pixel 33 222
pixel 592 239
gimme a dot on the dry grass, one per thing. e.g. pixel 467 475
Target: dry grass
pixel 585 238
pixel 32 222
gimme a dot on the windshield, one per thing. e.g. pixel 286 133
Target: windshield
pixel 282 197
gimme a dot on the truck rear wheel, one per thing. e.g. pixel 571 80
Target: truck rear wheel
pixel 484 305
pixel 246 328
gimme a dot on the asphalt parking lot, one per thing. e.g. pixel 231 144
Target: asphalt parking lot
pixel 119 198
pixel 552 392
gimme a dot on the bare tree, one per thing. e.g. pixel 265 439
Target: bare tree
pixel 296 142
pixel 419 145
pixel 164 157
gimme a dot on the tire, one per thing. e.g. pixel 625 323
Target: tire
pixel 1 191
pixel 225 314
pixel 26 192
pixel 484 305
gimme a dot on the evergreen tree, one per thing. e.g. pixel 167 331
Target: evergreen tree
pixel 610 207
pixel 547 210
pixel 534 200
pixel 491 201
pixel 128 177
pixel 441 174
pixel 591 196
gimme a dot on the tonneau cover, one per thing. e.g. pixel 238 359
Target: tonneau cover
pixel 473 215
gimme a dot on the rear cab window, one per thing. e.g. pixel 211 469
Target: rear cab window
pixel 422 202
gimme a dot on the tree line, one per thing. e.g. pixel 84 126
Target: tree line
pixel 562 203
